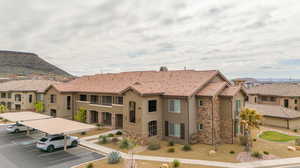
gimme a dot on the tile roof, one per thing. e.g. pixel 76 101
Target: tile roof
pixel 173 83
pixel 276 89
pixel 231 90
pixel 27 85
pixel 212 89
pixel 274 111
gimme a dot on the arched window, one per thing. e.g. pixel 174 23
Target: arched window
pixel 152 126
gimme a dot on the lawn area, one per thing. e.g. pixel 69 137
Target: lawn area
pixel 92 132
pixel 140 164
pixel 277 136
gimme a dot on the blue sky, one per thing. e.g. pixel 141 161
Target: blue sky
pixel 257 38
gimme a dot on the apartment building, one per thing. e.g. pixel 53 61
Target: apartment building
pixel 185 106
pixel 20 95
pixel 283 94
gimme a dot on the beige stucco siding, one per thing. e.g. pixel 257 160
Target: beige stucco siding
pixel 276 122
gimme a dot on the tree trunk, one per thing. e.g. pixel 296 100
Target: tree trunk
pixel 249 140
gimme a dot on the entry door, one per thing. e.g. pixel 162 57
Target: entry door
pixel 286 103
pixel 119 121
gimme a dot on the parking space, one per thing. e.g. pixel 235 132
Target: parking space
pixel 19 151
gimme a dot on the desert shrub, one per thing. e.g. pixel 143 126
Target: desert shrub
pixel 232 152
pixel 113 157
pixel 90 165
pixel 154 145
pixel 1 118
pixel 171 150
pixel 176 163
pixel 83 133
pixel 110 135
pixel 254 139
pixel 266 153
pixel 103 139
pixel 257 155
pixel 125 144
pixel 114 140
pixel 119 133
pixel 5 120
pixel 170 143
pixel 243 140
pixel 186 148
pixel 297 142
pixel 295 130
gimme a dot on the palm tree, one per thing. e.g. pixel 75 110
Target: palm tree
pixel 2 108
pixel 249 119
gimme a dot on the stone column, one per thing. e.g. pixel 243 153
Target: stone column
pixel 88 116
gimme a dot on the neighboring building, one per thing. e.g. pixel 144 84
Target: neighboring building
pixel 20 95
pixel 277 116
pixel 246 82
pixel 185 106
pixel 283 94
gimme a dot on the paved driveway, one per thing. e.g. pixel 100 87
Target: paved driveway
pixel 18 151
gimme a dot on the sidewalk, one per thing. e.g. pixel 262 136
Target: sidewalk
pixel 255 164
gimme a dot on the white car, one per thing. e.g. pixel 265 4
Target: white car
pixel 16 128
pixel 52 142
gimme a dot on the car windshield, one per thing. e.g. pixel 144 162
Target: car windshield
pixel 43 139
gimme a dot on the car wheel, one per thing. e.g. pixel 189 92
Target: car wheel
pixel 50 148
pixel 74 143
pixel 17 130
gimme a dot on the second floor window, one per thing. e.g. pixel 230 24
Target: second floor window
pixel 30 98
pixel 174 106
pixel 82 98
pixel 152 105
pixel 107 100
pixel 119 100
pixel 9 95
pixel 238 106
pixel 52 98
pixel 3 95
pixel 132 111
pixel 18 97
pixel 94 99
pixel 68 102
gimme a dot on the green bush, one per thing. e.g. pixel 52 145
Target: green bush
pixel 119 133
pixel 243 140
pixel 186 148
pixel 170 143
pixel 171 150
pixel 110 135
pixel 81 115
pixel 257 155
pixel 125 144
pixel 232 152
pixel 254 139
pixel 154 145
pixel 295 130
pixel 113 157
pixel 297 142
pixel 266 153
pixel 103 139
pixel 176 163
pixel 90 165
pixel 83 133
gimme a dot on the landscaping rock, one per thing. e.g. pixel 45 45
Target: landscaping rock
pixel 212 152
pixel 291 148
pixel 246 157
pixel 165 165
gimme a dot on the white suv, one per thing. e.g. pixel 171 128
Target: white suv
pixel 16 128
pixel 52 142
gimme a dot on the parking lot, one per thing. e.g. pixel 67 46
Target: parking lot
pixel 19 151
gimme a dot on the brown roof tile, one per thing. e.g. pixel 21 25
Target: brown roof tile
pixel 173 83
pixel 276 89
pixel 212 89
pixel 27 85
pixel 231 91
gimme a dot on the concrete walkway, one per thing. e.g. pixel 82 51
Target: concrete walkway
pixel 256 164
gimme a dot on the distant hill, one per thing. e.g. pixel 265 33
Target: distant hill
pixel 23 63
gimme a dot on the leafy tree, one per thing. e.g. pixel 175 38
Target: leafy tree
pixel 2 108
pixel 250 119
pixel 39 106
pixel 81 115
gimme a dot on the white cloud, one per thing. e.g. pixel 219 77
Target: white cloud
pixel 241 38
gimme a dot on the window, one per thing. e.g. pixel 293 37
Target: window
pixel 52 98
pixel 30 98
pixel 9 105
pixel 200 127
pixel 174 106
pixel 82 97
pixel 286 103
pixel 18 107
pixel 119 100
pixel 94 99
pixel 296 108
pixel 152 126
pixel 238 105
pixel 18 97
pixel 132 111
pixel 68 102
pixel 3 95
pixel 40 97
pixel 273 99
pixel 264 98
pixel 152 105
pixel 200 102
pixel 9 95
pixel 107 100
pixel 296 101
pixel 53 113
pixel 174 130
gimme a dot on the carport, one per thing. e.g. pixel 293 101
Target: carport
pixel 55 126
pixel 23 116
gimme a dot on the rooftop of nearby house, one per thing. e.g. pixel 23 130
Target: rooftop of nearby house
pixel 39 86
pixel 274 111
pixel 276 89
pixel 171 83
